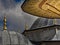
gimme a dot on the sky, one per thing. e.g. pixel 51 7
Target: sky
pixel 16 17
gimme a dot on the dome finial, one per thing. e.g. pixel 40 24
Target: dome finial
pixel 4 25
pixel 26 27
pixel 55 21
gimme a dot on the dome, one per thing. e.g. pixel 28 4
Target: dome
pixel 13 38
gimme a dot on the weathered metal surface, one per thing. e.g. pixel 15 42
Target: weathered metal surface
pixel 42 28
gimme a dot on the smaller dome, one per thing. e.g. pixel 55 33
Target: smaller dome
pixel 11 38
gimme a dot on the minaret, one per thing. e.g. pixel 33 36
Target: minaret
pixel 4 25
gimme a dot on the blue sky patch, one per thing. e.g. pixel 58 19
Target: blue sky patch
pixel 17 1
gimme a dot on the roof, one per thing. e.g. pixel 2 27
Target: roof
pixel 45 27
pixel 41 34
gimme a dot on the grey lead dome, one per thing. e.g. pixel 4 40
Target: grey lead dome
pixel 13 38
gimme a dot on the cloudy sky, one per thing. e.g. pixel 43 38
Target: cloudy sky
pixel 16 18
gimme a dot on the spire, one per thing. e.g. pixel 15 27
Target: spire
pixel 4 25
